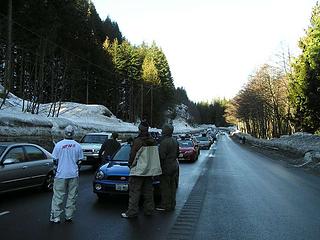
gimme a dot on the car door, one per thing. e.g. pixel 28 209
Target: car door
pixel 13 173
pixel 38 165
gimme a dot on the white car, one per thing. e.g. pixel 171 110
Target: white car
pixel 91 144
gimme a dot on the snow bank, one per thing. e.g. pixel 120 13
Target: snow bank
pixel 304 146
pixel 16 125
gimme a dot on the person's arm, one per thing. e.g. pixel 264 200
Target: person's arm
pixel 55 158
pixel 102 149
pixel 118 146
pixel 80 156
pixel 163 150
pixel 178 151
pixel 134 149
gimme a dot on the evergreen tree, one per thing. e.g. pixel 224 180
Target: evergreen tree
pixel 305 84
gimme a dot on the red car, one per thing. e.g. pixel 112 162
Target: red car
pixel 187 150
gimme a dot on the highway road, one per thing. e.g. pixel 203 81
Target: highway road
pixel 231 192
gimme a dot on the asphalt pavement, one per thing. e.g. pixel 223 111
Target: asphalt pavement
pixel 25 214
pixel 231 192
pixel 250 196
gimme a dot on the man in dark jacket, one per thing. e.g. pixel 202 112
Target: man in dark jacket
pixel 169 151
pixel 140 185
pixel 109 148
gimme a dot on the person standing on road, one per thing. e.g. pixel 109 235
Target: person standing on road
pixel 144 163
pixel 67 154
pixel 109 148
pixel 169 152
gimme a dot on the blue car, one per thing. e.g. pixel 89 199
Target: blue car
pixel 112 177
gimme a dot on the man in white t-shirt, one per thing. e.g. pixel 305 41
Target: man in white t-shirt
pixel 67 154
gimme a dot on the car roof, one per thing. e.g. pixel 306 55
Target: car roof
pixel 10 144
pixel 15 143
pixel 7 143
pixel 99 133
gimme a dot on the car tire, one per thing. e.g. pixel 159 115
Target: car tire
pixel 48 183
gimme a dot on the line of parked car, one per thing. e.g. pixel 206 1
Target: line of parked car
pixel 113 177
pixel 190 145
pixel 24 165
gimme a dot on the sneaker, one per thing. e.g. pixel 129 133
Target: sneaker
pixel 160 209
pixel 54 220
pixel 125 215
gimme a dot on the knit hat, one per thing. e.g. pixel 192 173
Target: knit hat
pixel 69 131
pixel 167 129
pixel 114 135
pixel 143 126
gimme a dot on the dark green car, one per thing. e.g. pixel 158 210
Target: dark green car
pixel 25 165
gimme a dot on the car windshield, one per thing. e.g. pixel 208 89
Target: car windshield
pixel 185 144
pixel 94 139
pixel 2 148
pixel 122 154
pixel 202 138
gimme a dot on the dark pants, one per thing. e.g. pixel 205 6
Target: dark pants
pixel 168 188
pixel 140 186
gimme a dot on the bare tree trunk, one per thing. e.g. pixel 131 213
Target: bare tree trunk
pixel 43 46
pixel 151 107
pixel 62 89
pixel 141 113
pixel 8 74
pixel 131 102
pixel 35 95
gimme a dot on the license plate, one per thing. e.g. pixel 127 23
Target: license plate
pixel 180 155
pixel 122 187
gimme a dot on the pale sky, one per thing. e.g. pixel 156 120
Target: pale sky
pixel 212 46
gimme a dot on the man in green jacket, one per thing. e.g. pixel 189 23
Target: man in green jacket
pixel 140 185
pixel 169 151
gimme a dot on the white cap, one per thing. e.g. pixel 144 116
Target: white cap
pixel 69 131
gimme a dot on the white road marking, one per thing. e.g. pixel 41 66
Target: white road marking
pixel 4 213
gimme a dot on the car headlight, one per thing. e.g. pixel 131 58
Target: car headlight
pixel 99 175
pixel 96 150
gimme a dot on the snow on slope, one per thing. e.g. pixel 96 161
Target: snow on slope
pixel 87 118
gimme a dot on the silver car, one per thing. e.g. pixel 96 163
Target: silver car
pixel 25 165
pixel 203 142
